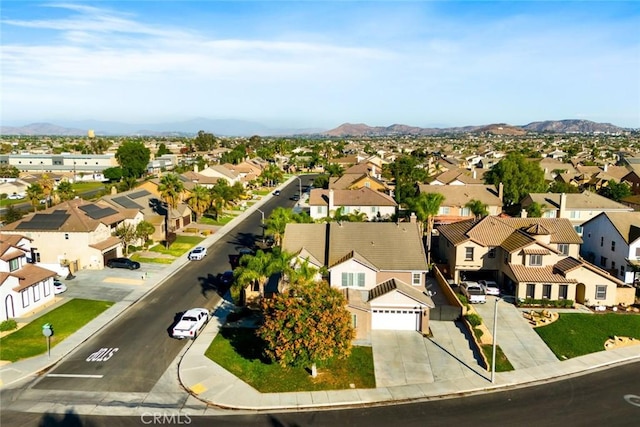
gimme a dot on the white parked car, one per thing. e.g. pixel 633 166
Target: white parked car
pixel 490 287
pixel 198 253
pixel 58 287
pixel 15 196
pixel 191 323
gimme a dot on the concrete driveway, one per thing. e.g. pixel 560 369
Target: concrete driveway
pixel 520 343
pixel 400 358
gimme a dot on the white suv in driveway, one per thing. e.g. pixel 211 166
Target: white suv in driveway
pixel 191 323
pixel 198 253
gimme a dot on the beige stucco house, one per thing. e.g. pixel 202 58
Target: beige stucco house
pixel 530 258
pixel 373 204
pixel 77 233
pixel 379 266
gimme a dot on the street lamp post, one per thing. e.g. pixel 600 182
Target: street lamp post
pixel 299 186
pixel 261 221
pixel 495 332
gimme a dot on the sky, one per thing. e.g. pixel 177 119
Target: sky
pixel 306 64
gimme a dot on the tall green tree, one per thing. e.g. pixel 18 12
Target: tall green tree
pixel 162 150
pixel 127 235
pixel 615 190
pixel 276 223
pixel 199 200
pixel 171 189
pixel 535 210
pixel 11 214
pixel 562 187
pixel 307 325
pixel 133 157
pixel 518 176
pixel 426 206
pixel 255 269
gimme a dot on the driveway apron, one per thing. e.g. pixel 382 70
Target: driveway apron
pixel 520 343
pixel 400 358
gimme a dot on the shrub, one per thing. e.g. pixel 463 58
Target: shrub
pixel 8 325
pixel 478 333
pixel 473 319
pixel 463 299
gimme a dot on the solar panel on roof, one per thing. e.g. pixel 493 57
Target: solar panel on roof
pixel 126 202
pixel 139 194
pixel 90 208
pixel 51 221
pixel 101 213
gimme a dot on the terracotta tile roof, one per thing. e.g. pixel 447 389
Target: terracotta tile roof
pixel 12 254
pixel 585 200
pixel 461 175
pixel 9 246
pixel 401 287
pixel 31 274
pixel 106 244
pixel 199 178
pixel 567 264
pixel 361 197
pixel 460 195
pixel 536 251
pixel 538 274
pixel 355 256
pixel 388 246
pixel 509 233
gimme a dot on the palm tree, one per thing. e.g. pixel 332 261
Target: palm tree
pixel 277 222
pixel 171 189
pixel 302 272
pixel 35 192
pixel 200 200
pixel 47 185
pixel 256 269
pixel 426 207
pixel 477 208
pixel 65 191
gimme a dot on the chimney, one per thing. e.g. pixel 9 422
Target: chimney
pixel 501 191
pixel 523 213
pixel 413 218
pixel 195 167
pixel 373 171
pixel 563 205
pixel 331 206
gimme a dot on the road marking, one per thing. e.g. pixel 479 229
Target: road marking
pixel 632 399
pixel 102 355
pixel 75 376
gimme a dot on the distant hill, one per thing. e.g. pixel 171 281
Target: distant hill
pixel 247 128
pixel 185 128
pixel 553 126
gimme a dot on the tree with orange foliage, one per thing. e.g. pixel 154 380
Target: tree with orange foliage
pixel 307 324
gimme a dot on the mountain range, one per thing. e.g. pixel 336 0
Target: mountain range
pixel 247 128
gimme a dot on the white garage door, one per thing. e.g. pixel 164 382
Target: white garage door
pixel 398 319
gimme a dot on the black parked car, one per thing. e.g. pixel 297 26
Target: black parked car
pixel 123 263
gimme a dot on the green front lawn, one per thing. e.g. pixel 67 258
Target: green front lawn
pixel 81 187
pixel 65 320
pixel 574 335
pixel 502 363
pixel 182 245
pixel 239 351
pixel 222 220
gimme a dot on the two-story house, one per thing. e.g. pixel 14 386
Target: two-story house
pixel 530 258
pixel 612 241
pixel 76 233
pixel 453 207
pixel 576 207
pixel 380 267
pixel 24 286
pixel 374 204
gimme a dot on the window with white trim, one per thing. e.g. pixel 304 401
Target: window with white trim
pixel 601 292
pixel 14 264
pixel 563 248
pixel 416 279
pixel 444 210
pixel 546 291
pixel 468 254
pixel 350 280
pixel 25 298
pixel 535 259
